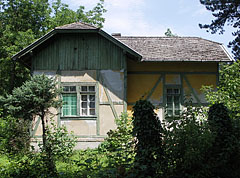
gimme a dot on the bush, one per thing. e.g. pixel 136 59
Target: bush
pixel 186 142
pixel 118 146
pixel 224 160
pixel 14 135
pixel 148 132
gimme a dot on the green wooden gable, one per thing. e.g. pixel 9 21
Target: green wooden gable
pixel 76 49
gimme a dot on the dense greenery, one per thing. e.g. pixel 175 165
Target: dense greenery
pixel 34 99
pixel 148 132
pixel 225 12
pixel 228 90
pixel 24 21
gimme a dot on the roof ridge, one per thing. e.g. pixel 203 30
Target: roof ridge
pixel 76 23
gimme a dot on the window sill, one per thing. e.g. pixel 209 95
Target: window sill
pixel 78 118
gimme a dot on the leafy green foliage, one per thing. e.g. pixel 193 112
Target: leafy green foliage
pixel 228 91
pixel 225 12
pixel 169 33
pixel 225 156
pixel 14 135
pixel 34 97
pixel 118 145
pixel 147 130
pixel 59 141
pixel 186 142
pixel 24 21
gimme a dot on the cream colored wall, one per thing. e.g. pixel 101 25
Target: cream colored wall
pixel 112 81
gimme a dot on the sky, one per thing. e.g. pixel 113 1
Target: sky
pixel 153 17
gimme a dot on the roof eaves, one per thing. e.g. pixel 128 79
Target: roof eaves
pixel 47 36
pixel 226 52
pixel 34 45
pixel 121 44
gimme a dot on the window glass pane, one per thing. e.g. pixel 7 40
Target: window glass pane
pixel 84 97
pixel 169 91
pixel 92 105
pixel 84 105
pixel 169 99
pixel 91 88
pixel 176 99
pixel 84 112
pixel 92 97
pixel 176 91
pixel 72 88
pixel 92 111
pixel 66 88
pixel 83 88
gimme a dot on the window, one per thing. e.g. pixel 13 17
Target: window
pixel 79 100
pixel 173 97
pixel 88 101
pixel 69 97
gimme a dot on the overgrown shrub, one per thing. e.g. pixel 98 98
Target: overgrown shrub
pixel 118 146
pixel 60 142
pixel 14 135
pixel 224 153
pixel 186 142
pixel 148 147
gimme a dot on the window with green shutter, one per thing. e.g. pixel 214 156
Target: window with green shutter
pixel 79 100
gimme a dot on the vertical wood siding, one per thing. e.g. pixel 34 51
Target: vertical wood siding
pixel 78 52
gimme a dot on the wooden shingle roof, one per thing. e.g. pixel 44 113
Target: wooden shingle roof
pixel 76 26
pixel 176 48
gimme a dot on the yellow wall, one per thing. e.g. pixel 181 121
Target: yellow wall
pixel 172 66
pixel 173 73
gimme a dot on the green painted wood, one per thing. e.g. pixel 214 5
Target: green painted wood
pixel 125 85
pixel 36 127
pixel 193 92
pixel 78 52
pixel 97 107
pixel 154 87
pixel 59 109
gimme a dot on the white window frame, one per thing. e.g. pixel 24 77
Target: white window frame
pixel 178 87
pixel 79 93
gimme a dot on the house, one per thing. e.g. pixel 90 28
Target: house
pixel 103 75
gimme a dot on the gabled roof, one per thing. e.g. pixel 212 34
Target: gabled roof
pixel 146 48
pixel 176 48
pixel 77 27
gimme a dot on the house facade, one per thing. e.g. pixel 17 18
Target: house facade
pixel 103 75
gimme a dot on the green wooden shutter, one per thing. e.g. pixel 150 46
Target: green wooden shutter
pixel 70 104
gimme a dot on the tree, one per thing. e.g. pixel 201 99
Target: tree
pixel 34 99
pixel 228 90
pixel 148 132
pixel 24 21
pixel 225 12
pixel 169 33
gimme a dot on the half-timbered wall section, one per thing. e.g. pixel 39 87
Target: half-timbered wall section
pixel 169 85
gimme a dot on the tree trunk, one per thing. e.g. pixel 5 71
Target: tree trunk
pixel 49 161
